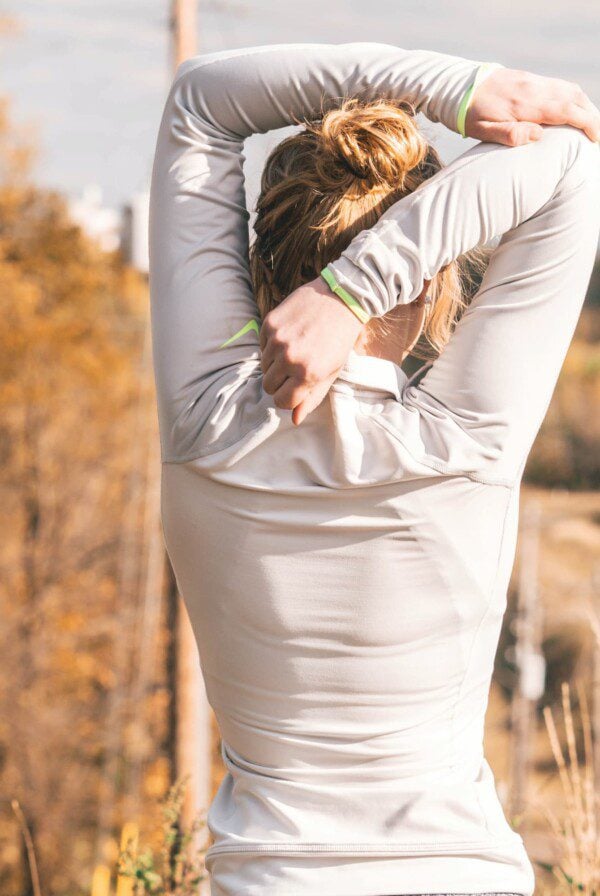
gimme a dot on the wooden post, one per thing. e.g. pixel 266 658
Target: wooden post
pixel 184 30
pixel 528 658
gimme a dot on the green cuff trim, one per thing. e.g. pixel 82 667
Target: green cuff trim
pixel 462 110
pixel 341 293
pixel 485 69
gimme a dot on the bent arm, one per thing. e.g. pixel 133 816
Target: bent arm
pixel 201 295
pixel 495 378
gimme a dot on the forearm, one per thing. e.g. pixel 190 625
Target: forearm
pixel 484 193
pixel 261 88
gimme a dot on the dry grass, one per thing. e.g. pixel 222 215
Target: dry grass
pixel 577 832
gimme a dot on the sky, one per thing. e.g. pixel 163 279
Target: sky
pixel 89 77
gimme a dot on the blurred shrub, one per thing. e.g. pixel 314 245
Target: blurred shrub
pixel 566 452
pixel 176 868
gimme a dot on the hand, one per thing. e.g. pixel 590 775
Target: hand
pixel 305 342
pixel 511 105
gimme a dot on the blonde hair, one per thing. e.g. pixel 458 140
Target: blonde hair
pixel 323 185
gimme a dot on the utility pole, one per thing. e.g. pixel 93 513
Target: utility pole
pixel 192 717
pixel 529 660
pixel 184 28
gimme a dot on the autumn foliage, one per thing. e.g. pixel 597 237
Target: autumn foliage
pixel 76 413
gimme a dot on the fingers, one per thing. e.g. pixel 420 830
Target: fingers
pixel 521 132
pixel 585 117
pixel 265 333
pixel 508 133
pixel 286 386
pixel 554 101
pixel 286 382
pixel 301 411
pixel 296 396
pixel 312 401
pixel 275 376
pixel 290 394
pixel 268 347
pixel 512 96
pixel 592 121
pixel 293 393
pixel 594 113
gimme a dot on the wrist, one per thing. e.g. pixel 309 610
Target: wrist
pixel 484 70
pixel 328 279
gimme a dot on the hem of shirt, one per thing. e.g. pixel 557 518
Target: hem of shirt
pixel 355 850
pixel 355 875
pixel 397 891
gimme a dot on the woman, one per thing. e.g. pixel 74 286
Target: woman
pixel 346 579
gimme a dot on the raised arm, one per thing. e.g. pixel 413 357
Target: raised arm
pixel 494 380
pixel 201 293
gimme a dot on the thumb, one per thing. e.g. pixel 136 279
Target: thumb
pixel 509 133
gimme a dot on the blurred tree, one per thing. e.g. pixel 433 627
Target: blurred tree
pixel 71 329
pixel 566 453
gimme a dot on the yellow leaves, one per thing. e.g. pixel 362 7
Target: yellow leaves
pixel 71 621
pixel 67 309
pixel 75 662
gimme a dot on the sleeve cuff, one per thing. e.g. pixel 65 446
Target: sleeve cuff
pixel 345 296
pixel 485 69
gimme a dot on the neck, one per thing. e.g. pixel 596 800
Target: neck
pixel 394 337
pixel 381 348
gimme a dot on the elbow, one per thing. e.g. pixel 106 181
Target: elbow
pixel 581 155
pixel 203 97
pixel 185 68
pixel 583 176
pixel 586 158
pixel 576 161
pixel 187 109
pixel 190 80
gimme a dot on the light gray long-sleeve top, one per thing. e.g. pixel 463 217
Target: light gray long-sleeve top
pixel 346 579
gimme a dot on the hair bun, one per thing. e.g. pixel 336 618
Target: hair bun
pixel 377 143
